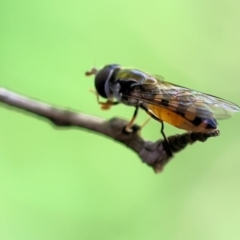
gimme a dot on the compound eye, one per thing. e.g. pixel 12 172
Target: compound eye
pixel 102 76
pixel 100 81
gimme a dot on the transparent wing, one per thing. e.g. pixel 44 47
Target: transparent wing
pixel 184 100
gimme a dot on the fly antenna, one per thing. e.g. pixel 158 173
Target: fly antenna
pixel 93 71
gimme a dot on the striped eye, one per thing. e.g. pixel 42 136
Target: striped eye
pixel 103 75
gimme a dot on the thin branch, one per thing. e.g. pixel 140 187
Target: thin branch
pixel 155 154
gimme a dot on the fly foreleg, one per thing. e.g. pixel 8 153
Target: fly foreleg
pixel 104 105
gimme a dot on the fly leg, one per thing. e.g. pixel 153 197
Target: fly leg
pixel 167 145
pixel 143 125
pixel 128 128
pixel 107 105
pixel 169 150
pixel 162 130
pixel 149 112
pixel 104 105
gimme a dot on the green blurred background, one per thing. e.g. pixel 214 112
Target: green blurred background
pixel 72 184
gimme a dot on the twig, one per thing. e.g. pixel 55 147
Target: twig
pixel 154 154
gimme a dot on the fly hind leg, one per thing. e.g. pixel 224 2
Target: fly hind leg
pixel 168 147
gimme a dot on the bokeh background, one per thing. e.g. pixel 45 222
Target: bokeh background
pixel 72 184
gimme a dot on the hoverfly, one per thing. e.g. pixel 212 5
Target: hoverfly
pixel 179 106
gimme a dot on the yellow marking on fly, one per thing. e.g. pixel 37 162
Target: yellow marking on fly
pixel 176 119
pixel 190 114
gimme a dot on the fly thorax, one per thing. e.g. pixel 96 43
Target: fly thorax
pixel 123 92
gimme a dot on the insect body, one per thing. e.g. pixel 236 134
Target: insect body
pixel 181 107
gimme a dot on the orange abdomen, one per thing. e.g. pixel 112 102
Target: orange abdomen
pixel 186 122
